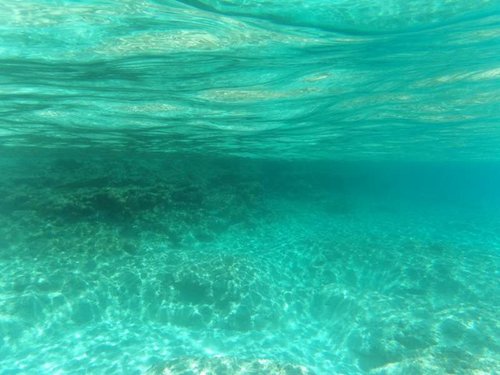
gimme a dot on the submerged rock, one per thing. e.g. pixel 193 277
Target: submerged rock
pixel 226 366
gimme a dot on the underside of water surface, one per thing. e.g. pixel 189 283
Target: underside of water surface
pixel 249 187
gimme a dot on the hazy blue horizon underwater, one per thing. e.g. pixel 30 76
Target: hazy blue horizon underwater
pixel 249 187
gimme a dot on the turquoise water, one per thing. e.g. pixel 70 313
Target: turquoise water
pixel 249 187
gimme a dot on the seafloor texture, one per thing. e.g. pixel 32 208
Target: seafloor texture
pixel 113 263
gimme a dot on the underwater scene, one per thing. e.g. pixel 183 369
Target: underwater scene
pixel 218 187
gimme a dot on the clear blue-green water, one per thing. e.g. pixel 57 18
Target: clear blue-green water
pixel 249 187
